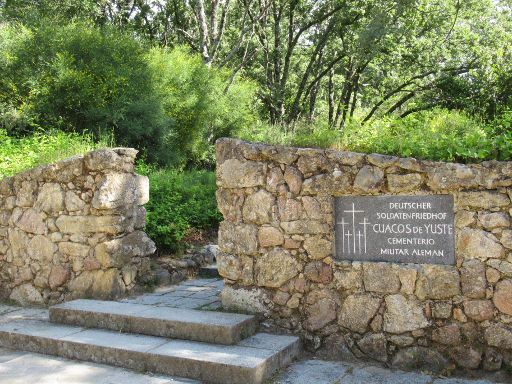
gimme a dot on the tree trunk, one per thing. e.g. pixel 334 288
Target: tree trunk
pixel 330 90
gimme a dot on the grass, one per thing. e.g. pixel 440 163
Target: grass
pixel 439 134
pixel 19 154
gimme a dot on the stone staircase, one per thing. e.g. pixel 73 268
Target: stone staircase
pixel 214 347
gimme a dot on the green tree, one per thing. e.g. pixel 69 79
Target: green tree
pixel 486 90
pixel 328 61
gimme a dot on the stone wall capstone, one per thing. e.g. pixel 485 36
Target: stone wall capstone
pixel 74 229
pixel 276 256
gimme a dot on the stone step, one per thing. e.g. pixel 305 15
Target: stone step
pixel 178 323
pixel 251 361
pixel 209 271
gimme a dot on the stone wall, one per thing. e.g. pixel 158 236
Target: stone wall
pixel 276 256
pixel 74 229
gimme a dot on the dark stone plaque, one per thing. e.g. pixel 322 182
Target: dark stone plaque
pixel 403 229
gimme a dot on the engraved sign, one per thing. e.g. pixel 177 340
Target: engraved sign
pixel 403 229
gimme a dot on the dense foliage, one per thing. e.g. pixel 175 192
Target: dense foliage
pixel 122 66
pixel 77 77
pixel 436 135
pixel 179 201
pixel 439 134
pixel 326 60
pixel 194 97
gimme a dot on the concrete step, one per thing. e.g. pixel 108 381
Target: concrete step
pixel 209 271
pixel 179 323
pixel 251 361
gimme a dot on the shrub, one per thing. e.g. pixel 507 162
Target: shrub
pixel 179 201
pixel 439 134
pixel 198 101
pixel 77 77
pixel 502 135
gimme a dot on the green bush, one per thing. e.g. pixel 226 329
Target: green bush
pixel 19 154
pixel 179 201
pixel 80 78
pixel 195 97
pixel 502 135
pixel 439 134
pixel 301 134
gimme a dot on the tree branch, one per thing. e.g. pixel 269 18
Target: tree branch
pixel 398 89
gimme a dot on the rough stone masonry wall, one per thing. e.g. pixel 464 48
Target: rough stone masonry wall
pixel 74 229
pixel 276 256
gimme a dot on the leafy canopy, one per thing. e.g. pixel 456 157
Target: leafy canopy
pixel 79 77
